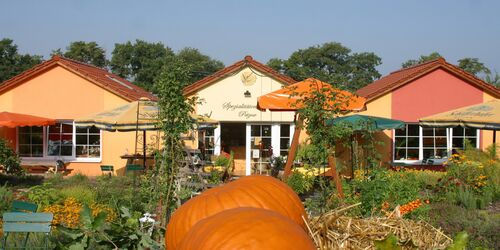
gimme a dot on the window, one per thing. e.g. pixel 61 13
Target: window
pixel 413 143
pixel 284 139
pixel 209 142
pixel 460 135
pixel 434 143
pixel 407 143
pixel 60 140
pixel 30 141
pixel 88 142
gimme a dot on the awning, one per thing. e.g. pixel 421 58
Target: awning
pixel 363 122
pixel 482 116
pixel 12 120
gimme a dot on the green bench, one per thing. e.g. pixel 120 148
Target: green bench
pixel 17 222
pixel 22 206
pixel 107 169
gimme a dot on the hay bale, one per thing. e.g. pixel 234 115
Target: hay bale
pixel 333 230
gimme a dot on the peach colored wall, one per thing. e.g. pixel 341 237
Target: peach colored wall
pixel 436 92
pixel 487 135
pixel 61 94
pixel 381 107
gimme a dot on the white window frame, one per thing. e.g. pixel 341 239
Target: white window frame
pixel 449 146
pixel 71 158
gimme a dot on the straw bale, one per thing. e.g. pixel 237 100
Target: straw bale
pixel 333 230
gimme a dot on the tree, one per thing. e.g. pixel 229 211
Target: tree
pixel 174 114
pixel 13 63
pixel 493 79
pixel 201 65
pixel 332 63
pixel 473 66
pixel 90 53
pixel 422 59
pixel 140 62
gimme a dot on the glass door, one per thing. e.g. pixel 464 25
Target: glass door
pixel 261 148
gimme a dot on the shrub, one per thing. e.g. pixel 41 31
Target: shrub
pixel 44 195
pixel 300 183
pixel 385 187
pixel 82 194
pixel 6 198
pixel 20 181
pixel 482 226
pixel 9 159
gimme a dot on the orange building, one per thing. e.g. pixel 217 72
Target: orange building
pixel 64 90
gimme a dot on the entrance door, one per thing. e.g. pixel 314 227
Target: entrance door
pixel 233 140
pixel 261 148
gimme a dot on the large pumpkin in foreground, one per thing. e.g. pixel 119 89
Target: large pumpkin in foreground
pixel 246 228
pixel 250 191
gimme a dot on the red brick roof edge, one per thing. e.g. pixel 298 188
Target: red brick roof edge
pixel 247 61
pixel 101 77
pixel 404 76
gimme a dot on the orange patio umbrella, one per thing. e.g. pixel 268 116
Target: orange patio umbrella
pixel 12 120
pixel 290 98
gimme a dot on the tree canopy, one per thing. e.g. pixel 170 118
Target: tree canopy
pixel 86 52
pixel 141 62
pixel 469 64
pixel 421 59
pixel 200 65
pixel 330 62
pixel 473 66
pixel 13 63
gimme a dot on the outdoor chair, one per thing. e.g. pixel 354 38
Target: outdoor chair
pixel 24 207
pixel 17 223
pixel 107 169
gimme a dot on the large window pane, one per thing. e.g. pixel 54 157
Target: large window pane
pixel 413 130
pixel 88 143
pixel 30 141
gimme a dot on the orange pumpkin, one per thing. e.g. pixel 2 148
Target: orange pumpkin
pixel 250 191
pixel 246 228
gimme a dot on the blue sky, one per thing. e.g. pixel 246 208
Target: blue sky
pixel 228 30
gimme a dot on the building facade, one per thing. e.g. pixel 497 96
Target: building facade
pixel 230 97
pixel 65 90
pixel 423 90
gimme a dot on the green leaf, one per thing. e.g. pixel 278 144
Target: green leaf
pixel 72 233
pixel 459 242
pixel 76 246
pixel 125 212
pixel 99 220
pixel 390 243
pixel 86 216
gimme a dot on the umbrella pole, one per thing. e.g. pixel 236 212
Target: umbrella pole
pixel 293 147
pixel 144 149
pixel 494 136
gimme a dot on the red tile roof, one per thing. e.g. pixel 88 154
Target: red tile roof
pixel 248 61
pixel 401 77
pixel 98 76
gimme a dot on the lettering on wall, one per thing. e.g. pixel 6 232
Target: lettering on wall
pixel 244 110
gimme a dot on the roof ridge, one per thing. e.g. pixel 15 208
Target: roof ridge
pixel 440 60
pixel 99 76
pixel 247 61
pixel 59 57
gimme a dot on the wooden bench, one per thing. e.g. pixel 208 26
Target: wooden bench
pixel 16 222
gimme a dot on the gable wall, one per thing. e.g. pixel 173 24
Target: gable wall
pixel 436 92
pixel 219 100
pixel 59 94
